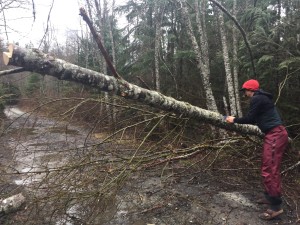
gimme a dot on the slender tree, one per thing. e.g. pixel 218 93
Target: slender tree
pixel 159 9
pixel 201 53
pixel 235 62
pixel 228 74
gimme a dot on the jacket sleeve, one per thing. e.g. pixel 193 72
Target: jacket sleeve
pixel 251 116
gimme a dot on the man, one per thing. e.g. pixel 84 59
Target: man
pixel 263 113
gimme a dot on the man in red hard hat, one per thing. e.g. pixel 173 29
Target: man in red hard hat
pixel 263 113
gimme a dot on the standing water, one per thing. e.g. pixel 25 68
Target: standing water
pixel 39 146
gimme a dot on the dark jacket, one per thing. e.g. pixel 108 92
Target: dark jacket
pixel 262 112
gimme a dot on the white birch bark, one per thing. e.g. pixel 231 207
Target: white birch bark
pixel 104 64
pixel 35 61
pixel 201 58
pixel 158 19
pixel 114 60
pixel 156 48
pixel 235 64
pixel 229 78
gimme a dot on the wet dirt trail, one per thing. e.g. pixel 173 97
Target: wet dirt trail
pixel 33 144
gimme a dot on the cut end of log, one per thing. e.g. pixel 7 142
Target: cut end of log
pixel 6 58
pixel 7 55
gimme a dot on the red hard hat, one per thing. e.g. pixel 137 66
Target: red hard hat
pixel 251 85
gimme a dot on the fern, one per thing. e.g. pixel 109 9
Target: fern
pixel 265 58
pixel 295 61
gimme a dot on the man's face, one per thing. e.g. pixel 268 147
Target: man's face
pixel 248 93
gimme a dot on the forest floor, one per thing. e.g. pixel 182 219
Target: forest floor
pixel 178 197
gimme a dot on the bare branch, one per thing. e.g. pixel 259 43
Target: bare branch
pixel 33 10
pixel 291 167
pixel 48 19
pixel 4 19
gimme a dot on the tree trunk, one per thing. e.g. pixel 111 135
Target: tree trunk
pixel 114 60
pixel 235 63
pixel 201 57
pixel 36 61
pixel 158 19
pixel 229 80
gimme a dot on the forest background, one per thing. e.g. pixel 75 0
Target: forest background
pixel 198 52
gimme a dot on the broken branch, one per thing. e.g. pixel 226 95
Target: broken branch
pixel 97 37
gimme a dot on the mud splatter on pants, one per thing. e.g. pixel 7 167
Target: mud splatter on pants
pixel 275 143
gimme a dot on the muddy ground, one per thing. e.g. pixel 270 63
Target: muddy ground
pixel 176 196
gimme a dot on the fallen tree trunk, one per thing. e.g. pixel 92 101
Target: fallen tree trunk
pixel 12 203
pixel 36 61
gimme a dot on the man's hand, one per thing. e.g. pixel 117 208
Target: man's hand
pixel 229 119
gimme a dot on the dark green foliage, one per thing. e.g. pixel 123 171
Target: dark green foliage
pixel 33 84
pixel 9 93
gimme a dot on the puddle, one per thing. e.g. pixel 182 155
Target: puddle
pixel 38 145
pixel 41 144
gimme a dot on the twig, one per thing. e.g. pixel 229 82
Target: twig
pixel 48 20
pixel 4 20
pixel 153 208
pixel 186 156
pixel 291 167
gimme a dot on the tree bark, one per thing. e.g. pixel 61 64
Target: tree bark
pixel 159 9
pixel 36 61
pixel 113 54
pixel 229 78
pixel 235 63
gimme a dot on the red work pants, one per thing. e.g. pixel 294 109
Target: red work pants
pixel 275 143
